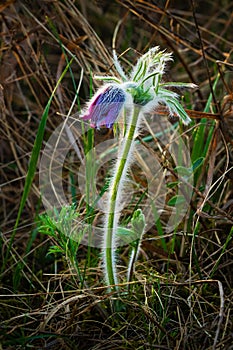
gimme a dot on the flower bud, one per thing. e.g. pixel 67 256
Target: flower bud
pixel 105 106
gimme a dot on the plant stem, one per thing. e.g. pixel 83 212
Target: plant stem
pixel 112 215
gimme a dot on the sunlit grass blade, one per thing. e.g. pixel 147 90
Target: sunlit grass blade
pixel 200 142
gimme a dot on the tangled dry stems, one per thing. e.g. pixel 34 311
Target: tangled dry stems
pixel 170 306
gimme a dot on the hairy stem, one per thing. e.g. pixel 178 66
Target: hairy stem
pixel 112 215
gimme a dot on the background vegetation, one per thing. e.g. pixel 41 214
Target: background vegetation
pixel 52 295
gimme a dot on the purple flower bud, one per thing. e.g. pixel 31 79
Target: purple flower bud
pixel 105 106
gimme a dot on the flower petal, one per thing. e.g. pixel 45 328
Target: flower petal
pixel 105 106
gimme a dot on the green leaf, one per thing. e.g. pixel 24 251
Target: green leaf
pixel 197 163
pixel 55 250
pixel 183 171
pixel 179 85
pixel 107 78
pixel 186 172
pixel 126 235
pixel 172 184
pixel 176 200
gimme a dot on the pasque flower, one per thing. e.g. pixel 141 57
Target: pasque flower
pixel 138 93
pixel 141 87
